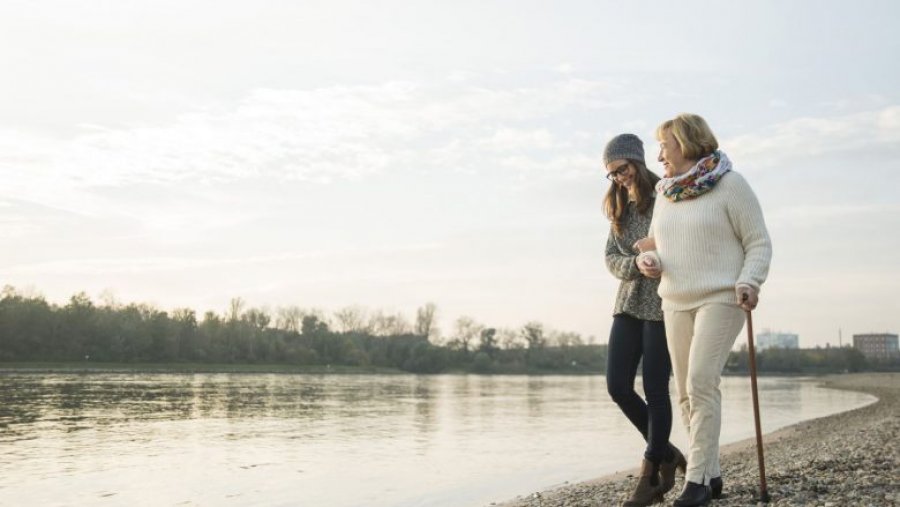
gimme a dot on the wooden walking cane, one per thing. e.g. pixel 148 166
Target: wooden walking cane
pixel 763 491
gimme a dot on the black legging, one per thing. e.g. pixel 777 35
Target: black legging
pixel 629 339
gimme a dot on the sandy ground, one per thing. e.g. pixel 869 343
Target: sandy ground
pixel 846 459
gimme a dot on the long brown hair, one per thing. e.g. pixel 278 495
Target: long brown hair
pixel 617 196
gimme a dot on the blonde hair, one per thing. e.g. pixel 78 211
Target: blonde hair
pixel 692 133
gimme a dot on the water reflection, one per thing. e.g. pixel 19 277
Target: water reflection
pixel 244 439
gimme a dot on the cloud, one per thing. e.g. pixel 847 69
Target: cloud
pixel 115 266
pixel 817 136
pixel 562 166
pixel 565 68
pixel 341 132
pixel 16 227
pixel 506 140
pixel 831 214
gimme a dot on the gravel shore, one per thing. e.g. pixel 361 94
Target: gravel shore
pixel 847 459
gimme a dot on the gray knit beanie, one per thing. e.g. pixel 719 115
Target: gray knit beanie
pixel 624 146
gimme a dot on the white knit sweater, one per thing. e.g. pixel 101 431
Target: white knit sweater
pixel 709 244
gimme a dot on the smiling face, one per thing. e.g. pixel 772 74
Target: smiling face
pixel 670 154
pixel 621 172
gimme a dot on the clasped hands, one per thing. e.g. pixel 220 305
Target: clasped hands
pixel 649 266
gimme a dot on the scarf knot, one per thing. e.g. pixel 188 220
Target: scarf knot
pixel 701 178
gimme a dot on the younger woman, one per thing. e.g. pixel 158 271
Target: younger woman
pixel 637 330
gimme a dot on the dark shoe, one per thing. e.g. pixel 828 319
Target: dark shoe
pixel 693 495
pixel 667 468
pixel 648 490
pixel 715 484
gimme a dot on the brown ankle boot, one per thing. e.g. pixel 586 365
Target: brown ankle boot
pixel 648 489
pixel 667 468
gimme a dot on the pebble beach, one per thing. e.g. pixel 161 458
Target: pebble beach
pixel 847 459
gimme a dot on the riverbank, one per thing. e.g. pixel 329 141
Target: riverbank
pixel 849 458
pixel 188 368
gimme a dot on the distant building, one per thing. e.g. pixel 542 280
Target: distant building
pixel 877 346
pixel 770 340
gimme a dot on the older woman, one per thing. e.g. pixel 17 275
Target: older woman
pixel 637 330
pixel 714 252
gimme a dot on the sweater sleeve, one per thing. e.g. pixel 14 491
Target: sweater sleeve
pixel 622 266
pixel 653 218
pixel 749 226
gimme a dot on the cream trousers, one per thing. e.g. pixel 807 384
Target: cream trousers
pixel 699 342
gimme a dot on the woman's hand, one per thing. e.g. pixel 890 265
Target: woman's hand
pixel 747 296
pixel 648 264
pixel 644 245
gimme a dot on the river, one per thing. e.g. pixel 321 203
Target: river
pixel 334 440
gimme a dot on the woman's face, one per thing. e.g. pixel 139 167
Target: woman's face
pixel 621 172
pixel 671 156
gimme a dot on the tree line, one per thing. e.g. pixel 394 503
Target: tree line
pixel 806 361
pixel 33 330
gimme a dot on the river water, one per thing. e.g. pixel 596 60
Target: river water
pixel 334 440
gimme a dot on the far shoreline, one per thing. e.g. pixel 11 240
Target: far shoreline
pixel 61 367
pixel 189 368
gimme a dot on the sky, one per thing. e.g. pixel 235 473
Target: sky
pixel 392 153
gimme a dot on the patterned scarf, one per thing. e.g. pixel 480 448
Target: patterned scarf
pixel 698 180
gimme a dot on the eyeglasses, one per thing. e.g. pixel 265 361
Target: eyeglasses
pixel 615 173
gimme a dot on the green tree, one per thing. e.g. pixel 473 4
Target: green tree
pixel 425 321
pixel 488 339
pixel 533 333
